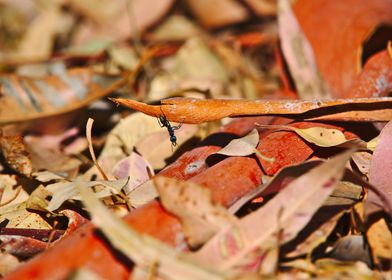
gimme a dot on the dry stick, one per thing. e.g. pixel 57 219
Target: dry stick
pixel 192 110
pixel 91 149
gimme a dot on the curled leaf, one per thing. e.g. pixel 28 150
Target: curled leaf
pixel 192 110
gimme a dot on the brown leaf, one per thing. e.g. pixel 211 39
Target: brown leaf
pixel 191 110
pixel 25 98
pixel 223 12
pixel 201 218
pixel 16 154
pixel 289 211
pixel 299 55
pixel 339 56
pixel 380 240
pixel 375 80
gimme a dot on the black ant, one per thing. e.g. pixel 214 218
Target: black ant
pixel 163 122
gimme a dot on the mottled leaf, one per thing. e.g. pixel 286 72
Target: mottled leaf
pixel 143 250
pixel 289 211
pixel 201 218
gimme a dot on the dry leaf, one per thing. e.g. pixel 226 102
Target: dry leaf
pixel 380 167
pixel 26 99
pixel 351 248
pixel 16 154
pixel 122 139
pixel 320 136
pixel 143 250
pixel 362 160
pixel 223 12
pixel 243 146
pixel 39 39
pixel 263 7
pixel 50 146
pixel 12 193
pixel 63 191
pixel 289 211
pixel 22 218
pixel 379 238
pixel 8 263
pixel 176 27
pixel 299 55
pixel 372 144
pixel 201 218
pixel 142 194
pixel 192 110
pixel 138 171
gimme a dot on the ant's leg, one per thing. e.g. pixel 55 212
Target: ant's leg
pixel 160 123
pixel 177 126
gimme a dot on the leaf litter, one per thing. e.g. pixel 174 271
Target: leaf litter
pixel 233 80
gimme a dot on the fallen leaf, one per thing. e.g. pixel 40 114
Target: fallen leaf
pixel 12 193
pixel 26 99
pixel 8 263
pixel 192 110
pixel 244 146
pixel 362 160
pixel 143 250
pixel 75 220
pixel 340 58
pixel 223 12
pixel 320 136
pixel 38 41
pixel 142 194
pixel 136 169
pixel 42 147
pixel 16 154
pixel 351 248
pixel 201 218
pixel 84 273
pixel 22 218
pixel 63 191
pixel 299 55
pixel 122 139
pixel 372 144
pixel 176 28
pixel 263 7
pixel 21 246
pixel 380 165
pixel 112 19
pixel 287 212
pixel 375 80
pixel 379 238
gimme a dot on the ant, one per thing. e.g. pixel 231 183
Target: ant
pixel 163 122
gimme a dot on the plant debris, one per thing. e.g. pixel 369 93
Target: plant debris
pixel 170 139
